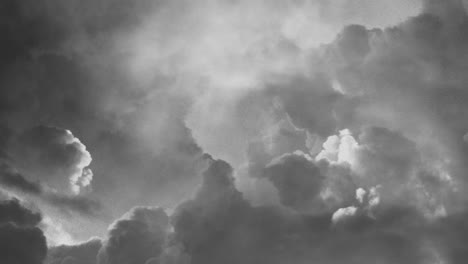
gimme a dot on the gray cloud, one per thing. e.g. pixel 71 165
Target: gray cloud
pixel 65 203
pixel 11 179
pixel 310 103
pixel 22 241
pixel 133 81
pixel 298 180
pixel 137 237
pixel 53 156
pixel 61 69
pixel 84 253
pixel 22 244
pixel 13 211
pixel 219 226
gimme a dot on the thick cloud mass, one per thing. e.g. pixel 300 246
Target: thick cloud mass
pixel 22 244
pixel 55 157
pixel 21 241
pixel 13 211
pixel 67 96
pixel 137 238
pixel 219 226
pixel 297 179
pixel 246 131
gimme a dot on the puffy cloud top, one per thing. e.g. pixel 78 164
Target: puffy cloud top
pixel 54 156
pixel 137 237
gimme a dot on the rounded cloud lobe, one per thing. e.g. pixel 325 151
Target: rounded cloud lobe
pixel 55 157
pixel 136 238
pixel 22 241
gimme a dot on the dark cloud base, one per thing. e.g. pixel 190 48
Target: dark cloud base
pixel 22 241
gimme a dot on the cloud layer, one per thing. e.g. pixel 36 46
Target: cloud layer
pixel 178 132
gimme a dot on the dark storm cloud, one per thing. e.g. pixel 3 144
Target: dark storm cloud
pixel 84 253
pixel 137 237
pixel 414 68
pixel 22 241
pixel 214 226
pixel 22 244
pixel 298 180
pixel 409 79
pixel 400 91
pixel 303 183
pixel 13 211
pixel 219 226
pixel 62 70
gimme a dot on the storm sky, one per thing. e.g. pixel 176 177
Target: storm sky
pixel 233 131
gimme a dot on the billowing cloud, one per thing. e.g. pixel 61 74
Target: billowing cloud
pixel 298 180
pixel 336 131
pixel 136 238
pixel 12 180
pixel 63 72
pixel 53 156
pixel 219 226
pixel 22 241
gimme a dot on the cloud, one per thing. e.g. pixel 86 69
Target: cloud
pixel 383 166
pixel 378 116
pixel 309 103
pixel 74 204
pixel 22 241
pixel 22 244
pixel 13 211
pixel 215 226
pixel 137 237
pixel 219 226
pixel 66 203
pixel 298 180
pixel 84 253
pixel 11 179
pixel 386 157
pixel 342 213
pixel 55 157
pixel 50 84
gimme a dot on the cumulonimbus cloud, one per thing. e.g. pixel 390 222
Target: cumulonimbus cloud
pixel 377 114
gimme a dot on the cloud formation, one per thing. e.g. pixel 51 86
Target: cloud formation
pixel 333 136
pixel 136 238
pixel 22 241
pixel 84 253
pixel 53 156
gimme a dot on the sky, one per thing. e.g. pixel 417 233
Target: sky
pixel 233 131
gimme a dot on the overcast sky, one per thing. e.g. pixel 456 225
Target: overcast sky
pixel 233 131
